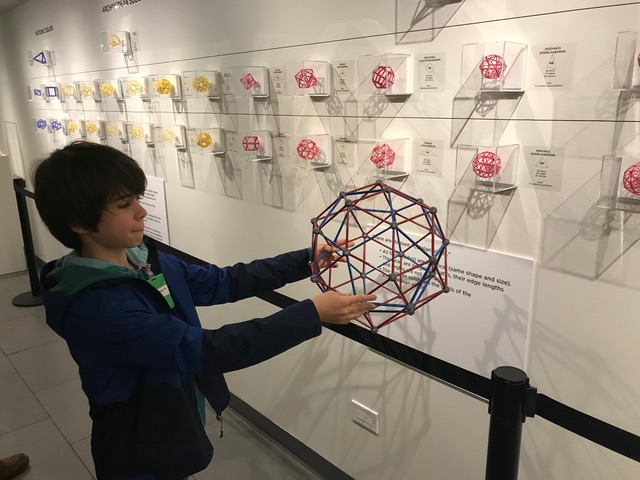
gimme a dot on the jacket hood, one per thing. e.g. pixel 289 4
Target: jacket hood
pixel 64 278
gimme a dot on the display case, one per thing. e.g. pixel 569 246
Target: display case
pixel 108 89
pixel 50 92
pixel 256 145
pixel 170 136
pixel 185 167
pixel 140 133
pixel 388 74
pixel 117 41
pixel 40 125
pixel 94 130
pixel 494 66
pixel 165 86
pixel 86 90
pixel 134 87
pixel 206 140
pixel 68 91
pixel 312 152
pixel 307 77
pixel 202 84
pixel 492 169
pixel 249 81
pixel 73 129
pixel 620 183
pixel 626 65
pixel 387 159
pixel 117 131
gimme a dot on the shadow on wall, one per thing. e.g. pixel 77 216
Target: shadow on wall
pixel 474 216
pixel 422 20
pixel 582 239
pixel 308 383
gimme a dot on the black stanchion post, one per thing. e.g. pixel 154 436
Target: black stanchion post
pixel 33 297
pixel 512 401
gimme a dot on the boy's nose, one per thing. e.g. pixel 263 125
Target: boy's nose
pixel 142 212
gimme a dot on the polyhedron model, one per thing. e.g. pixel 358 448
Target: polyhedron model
pixel 486 164
pixel 306 78
pixel 383 76
pixel 492 66
pixel 250 143
pixel 307 149
pixel 382 156
pixel 631 179
pixel 377 256
pixel 248 81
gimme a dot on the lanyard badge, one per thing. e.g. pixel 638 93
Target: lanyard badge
pixel 159 283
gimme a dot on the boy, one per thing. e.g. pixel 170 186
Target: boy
pixel 128 315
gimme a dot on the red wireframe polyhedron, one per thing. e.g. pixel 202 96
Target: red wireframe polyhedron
pixel 306 78
pixel 307 149
pixel 377 256
pixel 492 67
pixel 251 143
pixel 382 156
pixel 383 76
pixel 486 164
pixel 631 179
pixel 248 81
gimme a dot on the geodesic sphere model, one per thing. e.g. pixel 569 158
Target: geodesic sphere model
pixel 631 179
pixel 248 81
pixel 307 149
pixel 382 156
pixel 383 76
pixel 168 135
pixel 306 78
pixel 86 90
pixel 72 127
pixel 163 86
pixel 137 132
pixel 250 143
pixel 492 67
pixel 133 87
pixel 56 125
pixel 395 249
pixel 113 130
pixel 203 139
pixel 67 90
pixel 201 84
pixel 107 90
pixel 486 164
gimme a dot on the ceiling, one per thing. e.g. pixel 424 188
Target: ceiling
pixel 6 5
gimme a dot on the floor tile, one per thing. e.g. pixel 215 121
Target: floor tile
pixel 19 406
pixel 248 454
pixel 52 458
pixel 46 365
pixel 6 368
pixel 25 332
pixel 83 450
pixel 68 407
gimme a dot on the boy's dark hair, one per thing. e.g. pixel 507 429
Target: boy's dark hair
pixel 74 185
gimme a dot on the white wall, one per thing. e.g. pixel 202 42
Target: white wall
pixel 584 330
pixel 11 253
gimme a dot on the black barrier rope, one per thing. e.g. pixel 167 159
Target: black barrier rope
pixel 586 426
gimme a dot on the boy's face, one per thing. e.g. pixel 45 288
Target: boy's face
pixel 121 225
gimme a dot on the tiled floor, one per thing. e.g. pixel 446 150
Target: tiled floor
pixel 44 413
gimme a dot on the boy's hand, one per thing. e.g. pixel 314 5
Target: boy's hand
pixel 329 252
pixel 341 308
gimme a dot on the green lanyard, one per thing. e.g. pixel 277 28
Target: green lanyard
pixel 159 283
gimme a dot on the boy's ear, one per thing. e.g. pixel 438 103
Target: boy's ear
pixel 78 229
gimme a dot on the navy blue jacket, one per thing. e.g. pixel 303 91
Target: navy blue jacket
pixel 140 360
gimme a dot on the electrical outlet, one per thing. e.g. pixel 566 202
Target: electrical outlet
pixel 364 416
